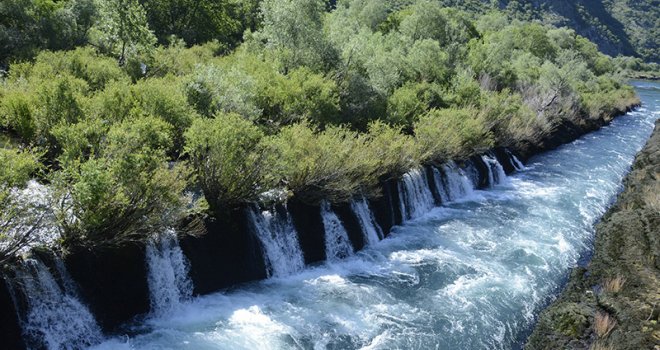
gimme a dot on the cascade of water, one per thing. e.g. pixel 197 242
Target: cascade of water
pixel 441 185
pixel 496 174
pixel 415 197
pixel 370 228
pixel 279 239
pixel 55 318
pixel 169 284
pixel 517 164
pixel 470 170
pixel 337 243
pixel 455 183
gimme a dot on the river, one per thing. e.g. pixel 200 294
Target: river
pixel 473 274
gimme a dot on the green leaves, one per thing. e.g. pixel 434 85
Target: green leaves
pixel 125 192
pixel 228 159
pixel 122 29
pixel 452 134
pixel 332 164
pixel 18 166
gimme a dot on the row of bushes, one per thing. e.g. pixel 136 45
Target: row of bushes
pixel 364 93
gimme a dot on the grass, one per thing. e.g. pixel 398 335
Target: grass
pixel 603 324
pixel 600 346
pixel 651 196
pixel 614 285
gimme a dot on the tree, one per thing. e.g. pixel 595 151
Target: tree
pixel 123 28
pixel 294 30
pixel 197 22
pixel 29 25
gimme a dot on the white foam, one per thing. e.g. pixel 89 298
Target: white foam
pixel 279 240
pixel 169 284
pixel 337 243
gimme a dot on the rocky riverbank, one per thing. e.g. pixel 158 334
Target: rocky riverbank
pixel 614 302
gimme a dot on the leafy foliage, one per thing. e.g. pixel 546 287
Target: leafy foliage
pixel 125 193
pixel 228 158
pixel 322 100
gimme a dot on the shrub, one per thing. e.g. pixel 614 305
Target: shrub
pixel 216 89
pixel 159 97
pixel 81 140
pixel 165 99
pixel 83 63
pixel 333 164
pixel 410 101
pixel 178 60
pixel 452 133
pixel 302 94
pixel 17 167
pixel 33 109
pixel 125 193
pixel 227 158
pixel 17 109
pixel 19 217
pixel 508 119
pixel 396 153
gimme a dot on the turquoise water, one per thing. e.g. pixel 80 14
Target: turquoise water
pixel 471 275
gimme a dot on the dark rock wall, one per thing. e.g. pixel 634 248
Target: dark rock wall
pixel 309 225
pixel 226 255
pixel 10 328
pixel 112 282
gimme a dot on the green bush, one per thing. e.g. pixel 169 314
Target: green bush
pixel 159 97
pixel 32 109
pixel 334 164
pixel 83 63
pixel 412 100
pixel 300 95
pixel 178 60
pixel 228 159
pixel 126 193
pixel 395 152
pixel 219 89
pixel 80 141
pixel 19 218
pixel 18 166
pixel 17 109
pixel 452 134
pixel 165 99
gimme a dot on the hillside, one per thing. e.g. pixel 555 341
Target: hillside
pixel 618 27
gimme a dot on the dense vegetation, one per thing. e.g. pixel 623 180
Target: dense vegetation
pixel 316 102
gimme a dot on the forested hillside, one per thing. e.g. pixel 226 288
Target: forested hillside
pixel 138 115
pixel 618 27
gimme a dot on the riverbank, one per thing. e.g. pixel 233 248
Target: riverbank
pixel 614 302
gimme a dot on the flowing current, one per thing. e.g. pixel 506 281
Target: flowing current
pixel 472 274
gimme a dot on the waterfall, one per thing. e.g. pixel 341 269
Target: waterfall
pixel 370 228
pixel 279 239
pixel 54 317
pixel 496 174
pixel 452 183
pixel 337 243
pixel 472 173
pixel 169 284
pixel 415 197
pixel 517 164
